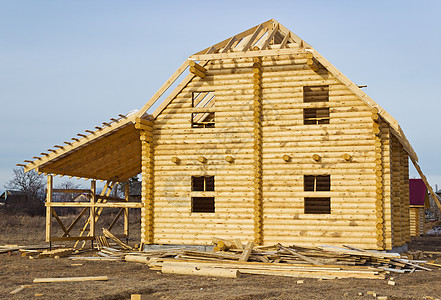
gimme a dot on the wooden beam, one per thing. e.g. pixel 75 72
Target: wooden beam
pixel 92 208
pixel 49 208
pixel 176 91
pixel 270 37
pixel 59 221
pixel 70 279
pixel 252 39
pixel 257 53
pixel 67 191
pixel 247 252
pixel 229 44
pixel 143 111
pixel 426 182
pixel 126 210
pixel 98 204
pixel 238 37
pixel 75 221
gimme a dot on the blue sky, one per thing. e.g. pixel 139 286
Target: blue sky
pixel 67 66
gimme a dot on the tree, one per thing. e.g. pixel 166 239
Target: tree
pixel 66 197
pixel 30 183
pixel 121 187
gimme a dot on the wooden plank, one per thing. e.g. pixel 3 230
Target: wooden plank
pixel 292 252
pixel 70 279
pixel 249 54
pixel 247 252
pixel 73 191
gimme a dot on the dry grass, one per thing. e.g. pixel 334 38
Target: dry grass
pixel 23 229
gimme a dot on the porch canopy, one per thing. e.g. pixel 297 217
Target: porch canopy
pixel 111 152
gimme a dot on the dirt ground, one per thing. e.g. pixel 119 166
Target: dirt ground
pixel 126 278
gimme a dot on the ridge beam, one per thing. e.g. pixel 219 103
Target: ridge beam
pixel 257 53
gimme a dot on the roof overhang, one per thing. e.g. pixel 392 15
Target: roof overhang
pixel 112 152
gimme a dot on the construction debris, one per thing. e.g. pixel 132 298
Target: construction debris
pixel 230 258
pixel 109 235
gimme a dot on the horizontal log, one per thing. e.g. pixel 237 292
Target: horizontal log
pixel 67 191
pixel 89 204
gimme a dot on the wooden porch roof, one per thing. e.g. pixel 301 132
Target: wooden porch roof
pixel 111 152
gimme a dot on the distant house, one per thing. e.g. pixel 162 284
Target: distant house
pixel 419 199
pixel 135 191
pixel 19 201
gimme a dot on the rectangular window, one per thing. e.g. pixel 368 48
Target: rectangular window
pixel 202 183
pixel 319 93
pixel 202 118
pixel 317 205
pixel 315 116
pixel 202 204
pixel 317 183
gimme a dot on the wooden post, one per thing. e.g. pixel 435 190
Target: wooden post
pixel 147 188
pixel 126 211
pixel 49 208
pixel 257 113
pixel 92 207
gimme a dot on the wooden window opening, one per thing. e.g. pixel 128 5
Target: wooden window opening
pixel 202 204
pixel 202 117
pixel 317 205
pixel 312 94
pixel 316 116
pixel 202 184
pixel 317 183
pixel 319 93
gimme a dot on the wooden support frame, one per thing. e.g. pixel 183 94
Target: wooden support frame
pixel 95 207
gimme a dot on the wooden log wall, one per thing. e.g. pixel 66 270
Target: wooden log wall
pixel 386 174
pixel 417 220
pixel 354 149
pixel 232 137
pixel 353 182
pixel 399 193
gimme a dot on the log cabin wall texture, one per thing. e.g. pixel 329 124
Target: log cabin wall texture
pixel 345 148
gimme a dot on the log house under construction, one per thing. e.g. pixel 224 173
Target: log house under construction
pixel 263 140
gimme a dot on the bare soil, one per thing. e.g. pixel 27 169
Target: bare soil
pixel 126 278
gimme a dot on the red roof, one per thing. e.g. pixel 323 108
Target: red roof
pixel 417 191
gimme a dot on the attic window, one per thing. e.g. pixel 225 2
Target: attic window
pixel 318 93
pixel 201 116
pixel 316 116
pixel 317 205
pixel 202 99
pixel 319 183
pixel 202 183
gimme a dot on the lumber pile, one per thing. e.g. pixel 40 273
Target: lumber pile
pixel 231 258
pixel 326 262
